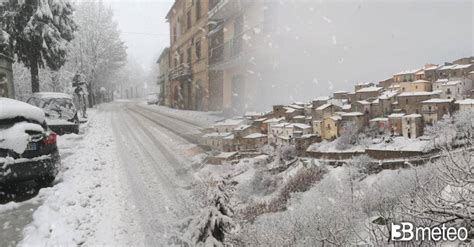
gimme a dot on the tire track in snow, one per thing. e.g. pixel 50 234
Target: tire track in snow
pixel 152 176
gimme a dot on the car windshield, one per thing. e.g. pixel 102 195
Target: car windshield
pixel 58 107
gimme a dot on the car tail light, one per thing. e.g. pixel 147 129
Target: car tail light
pixel 50 139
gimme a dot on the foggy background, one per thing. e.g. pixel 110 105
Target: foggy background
pixel 326 46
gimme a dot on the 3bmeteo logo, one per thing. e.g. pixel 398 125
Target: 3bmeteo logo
pixel 405 231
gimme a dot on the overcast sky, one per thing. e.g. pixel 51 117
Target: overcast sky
pixel 331 45
pixel 144 28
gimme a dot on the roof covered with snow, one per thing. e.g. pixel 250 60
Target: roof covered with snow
pixel 407 72
pixel 255 135
pixel 452 83
pixel 369 89
pixel 379 119
pixel 388 94
pixel 274 120
pixel 438 101
pixel 351 114
pixel 230 122
pixel 412 116
pixel 322 107
pixel 465 102
pixel 462 66
pixel 396 115
pixel 421 81
pixel 300 125
pixel 322 98
pixel 10 109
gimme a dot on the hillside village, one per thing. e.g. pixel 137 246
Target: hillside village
pixel 399 107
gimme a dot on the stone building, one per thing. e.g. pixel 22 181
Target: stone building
pixel 410 102
pixel 433 110
pixel 412 126
pixel 416 86
pixel 368 92
pixel 163 82
pixel 188 75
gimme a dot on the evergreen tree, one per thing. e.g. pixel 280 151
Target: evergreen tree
pixel 40 31
pixel 211 226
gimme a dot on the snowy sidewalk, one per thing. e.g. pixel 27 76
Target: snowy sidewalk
pixel 86 204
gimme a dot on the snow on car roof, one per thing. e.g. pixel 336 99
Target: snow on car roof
pixel 52 95
pixel 10 108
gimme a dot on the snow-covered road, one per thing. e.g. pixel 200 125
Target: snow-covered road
pixel 126 179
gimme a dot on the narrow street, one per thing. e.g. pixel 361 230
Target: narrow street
pixel 154 149
pixel 127 179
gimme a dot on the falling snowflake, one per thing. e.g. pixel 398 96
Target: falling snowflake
pixel 326 19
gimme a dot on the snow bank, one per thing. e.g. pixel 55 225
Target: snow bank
pixel 86 205
pixel 15 138
pixel 399 143
pixel 10 108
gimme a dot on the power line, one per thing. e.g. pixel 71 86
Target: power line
pixel 148 34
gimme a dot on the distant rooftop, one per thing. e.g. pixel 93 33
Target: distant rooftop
pixel 438 101
pixel 369 89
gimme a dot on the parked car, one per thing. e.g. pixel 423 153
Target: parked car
pixel 61 113
pixel 28 149
pixel 153 98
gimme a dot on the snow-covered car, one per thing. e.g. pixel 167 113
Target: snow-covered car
pixel 152 99
pixel 61 113
pixel 28 149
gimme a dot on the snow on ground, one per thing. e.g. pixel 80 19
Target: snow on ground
pixel 84 207
pixel 201 118
pixel 330 146
pixel 398 143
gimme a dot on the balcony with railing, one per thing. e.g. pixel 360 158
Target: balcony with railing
pixel 235 50
pixel 180 72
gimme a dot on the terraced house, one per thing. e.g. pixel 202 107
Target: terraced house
pixel 188 75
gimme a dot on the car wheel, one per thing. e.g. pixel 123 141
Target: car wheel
pixel 45 181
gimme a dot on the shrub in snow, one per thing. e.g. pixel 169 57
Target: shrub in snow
pixel 212 225
pixel 452 130
pixel 447 196
pixel 349 136
pixel 303 180
pixel 287 152
pixel 263 183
